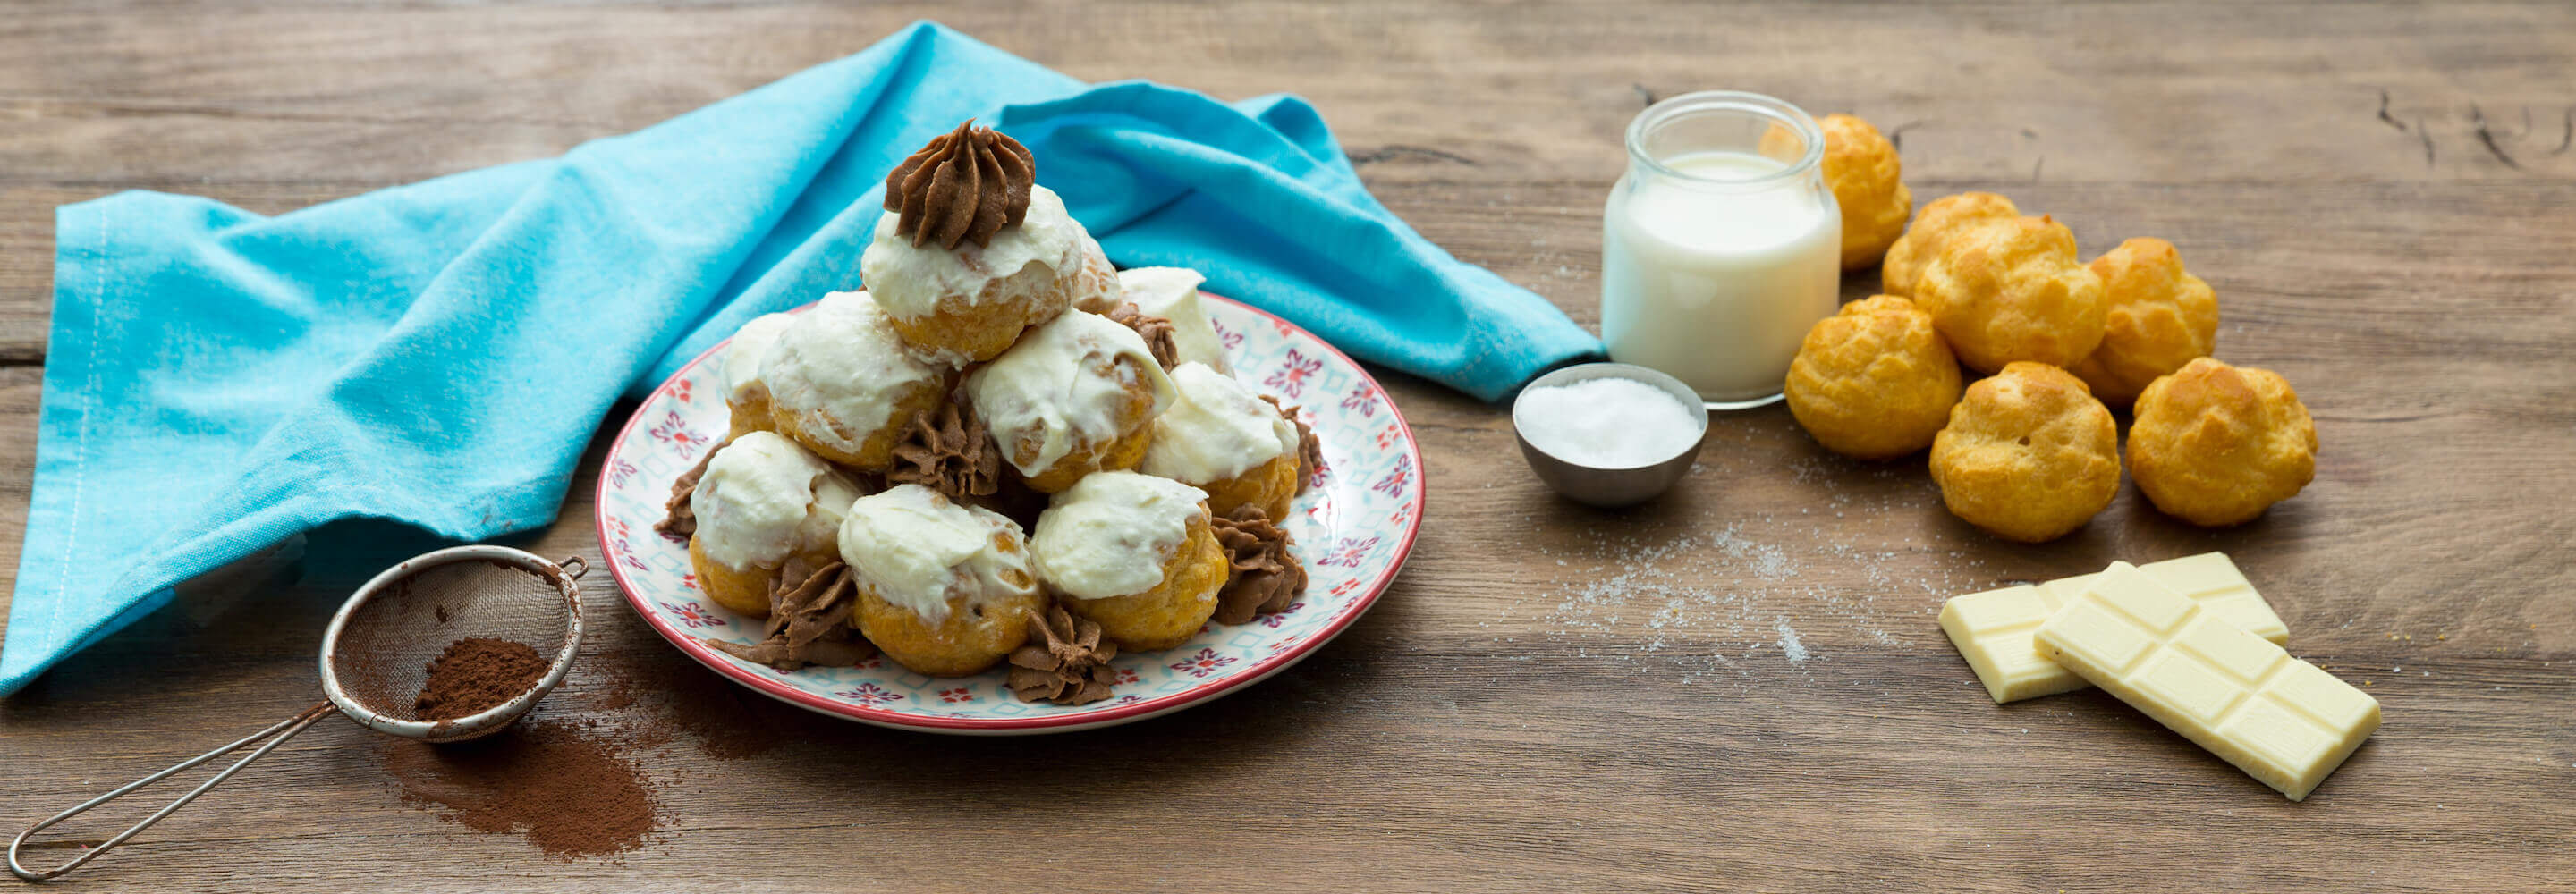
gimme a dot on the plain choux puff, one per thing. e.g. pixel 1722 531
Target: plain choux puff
pixel 1922 241
pixel 1862 169
pixel 2156 318
pixel 2215 445
pixel 2008 290
pixel 1874 381
pixel 2028 455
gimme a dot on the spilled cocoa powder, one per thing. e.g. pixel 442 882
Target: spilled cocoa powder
pixel 476 674
pixel 575 783
pixel 669 697
pixel 572 791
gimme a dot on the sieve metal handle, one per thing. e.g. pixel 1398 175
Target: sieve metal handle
pixel 284 730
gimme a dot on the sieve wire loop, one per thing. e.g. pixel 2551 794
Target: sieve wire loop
pixel 381 641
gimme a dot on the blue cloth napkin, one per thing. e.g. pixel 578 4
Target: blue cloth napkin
pixel 438 354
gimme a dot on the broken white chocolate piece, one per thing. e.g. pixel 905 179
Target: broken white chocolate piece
pixel 1993 629
pixel 2279 719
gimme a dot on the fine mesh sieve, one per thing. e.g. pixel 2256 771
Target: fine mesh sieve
pixel 376 654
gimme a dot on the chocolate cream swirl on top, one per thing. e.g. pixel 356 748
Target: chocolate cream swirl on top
pixel 966 184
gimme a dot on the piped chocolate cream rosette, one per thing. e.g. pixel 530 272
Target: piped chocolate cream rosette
pixel 809 621
pixel 1262 578
pixel 950 451
pixel 1065 662
pixel 971 251
pixel 1310 449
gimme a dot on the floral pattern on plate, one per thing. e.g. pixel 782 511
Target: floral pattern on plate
pixel 1353 529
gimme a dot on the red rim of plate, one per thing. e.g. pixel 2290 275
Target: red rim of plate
pixel 1259 670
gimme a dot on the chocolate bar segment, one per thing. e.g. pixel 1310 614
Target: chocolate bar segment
pixel 2279 719
pixel 1993 629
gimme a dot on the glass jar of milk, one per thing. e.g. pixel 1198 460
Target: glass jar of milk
pixel 1722 244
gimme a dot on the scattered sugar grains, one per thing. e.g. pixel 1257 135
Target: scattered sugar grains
pixel 1715 605
pixel 1607 423
pixel 1789 645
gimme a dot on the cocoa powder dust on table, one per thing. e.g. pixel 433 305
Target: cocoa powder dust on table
pixel 572 792
pixel 475 675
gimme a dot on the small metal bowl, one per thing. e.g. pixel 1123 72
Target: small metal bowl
pixel 1610 488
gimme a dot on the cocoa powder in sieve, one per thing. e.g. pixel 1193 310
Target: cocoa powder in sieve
pixel 477 674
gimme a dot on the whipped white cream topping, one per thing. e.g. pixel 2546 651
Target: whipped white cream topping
pixel 1173 294
pixel 1061 385
pixel 909 280
pixel 1218 428
pixel 1110 533
pixel 1096 289
pixel 841 367
pixel 918 550
pixel 758 501
pixel 743 352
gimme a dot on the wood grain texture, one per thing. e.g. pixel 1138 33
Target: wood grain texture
pixel 1551 698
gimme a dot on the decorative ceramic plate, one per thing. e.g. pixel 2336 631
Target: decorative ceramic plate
pixel 1353 528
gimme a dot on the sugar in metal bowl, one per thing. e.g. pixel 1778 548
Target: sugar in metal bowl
pixel 1633 463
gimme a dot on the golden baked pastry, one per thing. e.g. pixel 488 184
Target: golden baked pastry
pixel 1922 241
pixel 2156 318
pixel 1135 553
pixel 1221 437
pixel 841 383
pixel 1073 397
pixel 2010 289
pixel 744 589
pixel 1862 169
pixel 944 588
pixel 750 412
pixel 759 503
pixel 1125 452
pixel 2028 455
pixel 1170 612
pixel 1096 288
pixel 1874 381
pixel 738 368
pixel 971 250
pixel 1271 485
pixel 2215 445
pixel 962 328
pixel 980 629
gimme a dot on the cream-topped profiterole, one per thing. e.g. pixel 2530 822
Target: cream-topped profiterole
pixel 843 384
pixel 920 550
pixel 1042 259
pixel 1220 436
pixel 1062 388
pixel 1134 553
pixel 1111 533
pixel 763 504
pixel 945 589
pixel 1173 294
pixel 763 497
pixel 740 363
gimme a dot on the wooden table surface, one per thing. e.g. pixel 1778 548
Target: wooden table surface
pixel 1739 687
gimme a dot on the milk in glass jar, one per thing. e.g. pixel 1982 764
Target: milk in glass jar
pixel 1721 245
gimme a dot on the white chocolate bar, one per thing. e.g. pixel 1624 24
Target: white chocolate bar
pixel 1993 629
pixel 2279 719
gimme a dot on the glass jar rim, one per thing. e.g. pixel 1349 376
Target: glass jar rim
pixel 1778 110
